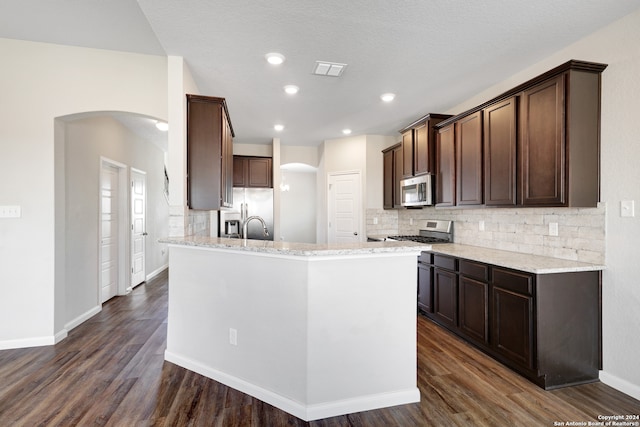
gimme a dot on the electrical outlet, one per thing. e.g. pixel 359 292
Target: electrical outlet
pixel 553 229
pixel 233 336
pixel 375 220
pixel 10 212
pixel 410 221
pixel 481 226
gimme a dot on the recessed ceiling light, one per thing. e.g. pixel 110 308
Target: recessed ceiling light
pixel 278 127
pixel 163 126
pixel 346 131
pixel 291 89
pixel 388 97
pixel 274 58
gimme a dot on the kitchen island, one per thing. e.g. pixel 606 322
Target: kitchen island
pixel 315 330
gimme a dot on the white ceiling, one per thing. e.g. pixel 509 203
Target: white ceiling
pixel 432 53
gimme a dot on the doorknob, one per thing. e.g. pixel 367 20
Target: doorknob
pixel 145 234
pixel 355 233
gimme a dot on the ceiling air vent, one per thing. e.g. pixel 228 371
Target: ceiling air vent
pixel 331 69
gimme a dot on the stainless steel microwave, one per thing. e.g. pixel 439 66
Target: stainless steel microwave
pixel 417 191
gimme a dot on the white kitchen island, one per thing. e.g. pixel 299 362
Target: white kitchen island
pixel 315 330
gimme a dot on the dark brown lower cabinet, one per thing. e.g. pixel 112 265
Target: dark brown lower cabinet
pixel 513 326
pixel 547 327
pixel 474 309
pixel 445 284
pixel 425 283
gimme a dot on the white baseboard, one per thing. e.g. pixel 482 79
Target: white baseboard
pixel 27 342
pixel 619 384
pixel 298 409
pixel 60 336
pixel 157 271
pixel 83 317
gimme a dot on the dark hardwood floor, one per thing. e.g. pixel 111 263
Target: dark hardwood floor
pixel 111 371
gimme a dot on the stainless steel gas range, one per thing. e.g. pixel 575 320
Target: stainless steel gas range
pixel 435 231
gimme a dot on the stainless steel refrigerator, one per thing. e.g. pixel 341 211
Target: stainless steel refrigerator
pixel 248 202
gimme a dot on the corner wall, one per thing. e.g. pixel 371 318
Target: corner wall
pixel 40 82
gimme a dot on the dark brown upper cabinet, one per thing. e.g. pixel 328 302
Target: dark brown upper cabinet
pixel 500 141
pixel 469 160
pixel 446 167
pixel 252 172
pixel 397 176
pixel 418 145
pixel 560 140
pixel 392 174
pixel 209 153
pixel 555 162
pixel 407 153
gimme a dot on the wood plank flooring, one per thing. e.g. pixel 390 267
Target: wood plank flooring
pixel 111 371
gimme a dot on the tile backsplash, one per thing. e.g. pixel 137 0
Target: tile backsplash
pixel 581 231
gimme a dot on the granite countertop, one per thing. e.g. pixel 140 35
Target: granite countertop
pixel 536 264
pixel 297 249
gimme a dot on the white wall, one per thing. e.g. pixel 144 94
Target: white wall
pixel 298 210
pixel 88 139
pixel 38 83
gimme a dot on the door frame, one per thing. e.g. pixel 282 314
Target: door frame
pixel 133 171
pixel 361 219
pixel 123 227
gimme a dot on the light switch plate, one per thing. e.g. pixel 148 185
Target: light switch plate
pixel 481 226
pixel 10 212
pixel 627 208
pixel 553 229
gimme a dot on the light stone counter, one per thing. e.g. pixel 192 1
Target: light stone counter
pixel 297 249
pixel 536 264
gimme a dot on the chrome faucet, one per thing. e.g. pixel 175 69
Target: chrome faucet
pixel 246 224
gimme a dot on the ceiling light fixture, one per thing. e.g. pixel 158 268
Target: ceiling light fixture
pixel 274 58
pixel 388 97
pixel 278 127
pixel 330 69
pixel 346 131
pixel 163 126
pixel 291 89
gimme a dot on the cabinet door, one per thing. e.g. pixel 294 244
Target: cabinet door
pixel 422 150
pixel 445 293
pixel 445 167
pixel 387 179
pixel 512 334
pixel 226 184
pixel 204 153
pixel 259 172
pixel 425 288
pixel 500 154
pixel 469 165
pixel 473 307
pixel 542 144
pixel 397 176
pixel 239 168
pixel 407 154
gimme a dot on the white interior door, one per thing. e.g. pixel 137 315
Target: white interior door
pixel 345 207
pixel 109 243
pixel 138 226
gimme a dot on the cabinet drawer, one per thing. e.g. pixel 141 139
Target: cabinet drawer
pixel 446 262
pixel 425 258
pixel 513 281
pixel 474 270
